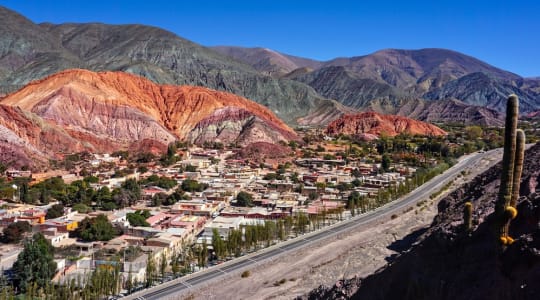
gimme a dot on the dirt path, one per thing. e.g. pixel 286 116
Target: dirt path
pixel 345 256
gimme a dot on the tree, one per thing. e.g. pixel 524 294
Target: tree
pixel 96 229
pixel 81 208
pixel 137 219
pixel 328 156
pixel 150 270
pixel 385 163
pixel 13 233
pixel 109 206
pixel 190 168
pixel 24 193
pixel 473 132
pixel 190 185
pixel 35 264
pixel 162 265
pixel 175 264
pixel 55 211
pixel 103 195
pixel 218 244
pixel 122 197
pixel 244 199
pixel 133 187
pixel 354 200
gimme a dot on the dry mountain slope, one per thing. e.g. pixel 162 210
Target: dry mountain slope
pixel 30 51
pixel 27 140
pixel 374 123
pixel 417 70
pixel 398 76
pixel 434 74
pixel 126 108
pixel 268 61
pixel 450 111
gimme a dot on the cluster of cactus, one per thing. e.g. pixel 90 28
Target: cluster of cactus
pixel 514 147
pixel 467 216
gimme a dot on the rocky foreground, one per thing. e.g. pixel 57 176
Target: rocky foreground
pixel 448 263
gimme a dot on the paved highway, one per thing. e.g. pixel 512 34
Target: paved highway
pixel 170 288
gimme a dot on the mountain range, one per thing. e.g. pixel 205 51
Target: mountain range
pixel 395 75
pixel 298 90
pixel 30 51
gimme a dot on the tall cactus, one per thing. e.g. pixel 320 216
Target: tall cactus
pixel 503 209
pixel 518 166
pixel 467 216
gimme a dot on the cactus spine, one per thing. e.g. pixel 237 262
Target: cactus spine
pixel 467 216
pixel 511 169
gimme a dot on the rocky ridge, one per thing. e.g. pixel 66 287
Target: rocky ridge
pixel 239 125
pixel 449 111
pixel 377 124
pixel 268 61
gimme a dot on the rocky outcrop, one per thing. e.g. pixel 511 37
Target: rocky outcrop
pixel 27 140
pixel 374 123
pixel 336 82
pixel 449 111
pixel 448 262
pixel 483 89
pixel 325 115
pixel 239 126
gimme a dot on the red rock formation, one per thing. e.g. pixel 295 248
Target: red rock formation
pixel 79 110
pixel 375 123
pixel 26 140
pixel 233 124
pixel 89 100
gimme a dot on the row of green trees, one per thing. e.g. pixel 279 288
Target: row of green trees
pixel 256 236
pixel 360 204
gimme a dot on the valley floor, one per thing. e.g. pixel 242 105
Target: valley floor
pixel 355 254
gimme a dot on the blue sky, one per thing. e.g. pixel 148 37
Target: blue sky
pixel 502 33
